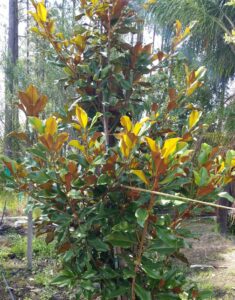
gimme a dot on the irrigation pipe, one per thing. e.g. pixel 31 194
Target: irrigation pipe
pixel 7 286
pixel 174 197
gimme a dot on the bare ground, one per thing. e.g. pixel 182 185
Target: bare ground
pixel 212 260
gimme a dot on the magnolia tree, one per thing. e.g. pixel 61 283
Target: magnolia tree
pixel 84 169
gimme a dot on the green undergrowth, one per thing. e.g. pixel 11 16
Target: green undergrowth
pixel 15 203
pixel 14 263
pixel 17 246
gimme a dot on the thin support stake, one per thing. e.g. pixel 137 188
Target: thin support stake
pixel 174 197
pixel 30 240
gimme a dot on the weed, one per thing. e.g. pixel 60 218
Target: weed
pixel 3 253
pixel 44 277
pixel 42 249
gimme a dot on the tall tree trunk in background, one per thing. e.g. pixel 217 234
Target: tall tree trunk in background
pixel 63 12
pixel 221 116
pixel 74 11
pixel 140 34
pixel 223 214
pixel 27 39
pixel 154 35
pixel 11 112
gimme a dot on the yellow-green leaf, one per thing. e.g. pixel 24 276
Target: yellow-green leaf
pixel 232 163
pixel 126 123
pixel 178 26
pixel 42 12
pixel 35 16
pixel 32 92
pixel 95 2
pixel 37 124
pixel 124 149
pixel 222 167
pixel 137 128
pixel 37 212
pixel 127 140
pixel 200 72
pixel 194 118
pixel 141 175
pixel 81 116
pixel 152 144
pixel 51 126
pixel 76 126
pixel 80 41
pixel 35 29
pixel 192 88
pixel 76 144
pixel 170 146
pixel 186 32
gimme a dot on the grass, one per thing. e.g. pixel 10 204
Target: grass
pixel 17 246
pixel 212 249
pixel 13 260
pixel 211 280
pixel 13 256
pixel 15 204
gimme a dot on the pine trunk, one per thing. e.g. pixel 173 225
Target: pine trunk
pixel 11 111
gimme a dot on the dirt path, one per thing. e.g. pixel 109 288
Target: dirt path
pixel 212 260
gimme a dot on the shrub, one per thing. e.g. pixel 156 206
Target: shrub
pixel 88 176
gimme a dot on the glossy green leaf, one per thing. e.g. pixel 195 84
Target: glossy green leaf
pixel 104 179
pixel 98 245
pixel 168 296
pixel 226 196
pixel 39 153
pixel 161 248
pixel 142 293
pixel 151 272
pixel 39 177
pixel 113 293
pixel 121 239
pixel 95 119
pixel 141 215
pixel 201 178
pixel 37 124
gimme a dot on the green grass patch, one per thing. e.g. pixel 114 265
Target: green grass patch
pixel 17 245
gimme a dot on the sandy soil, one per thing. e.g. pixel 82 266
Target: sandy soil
pixel 212 260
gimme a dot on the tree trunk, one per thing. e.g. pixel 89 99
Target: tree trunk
pixel 74 11
pixel 154 35
pixel 140 34
pixel 222 214
pixel 11 112
pixel 27 40
pixel 222 104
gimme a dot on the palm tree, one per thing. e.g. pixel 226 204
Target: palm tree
pixel 214 20
pixel 207 45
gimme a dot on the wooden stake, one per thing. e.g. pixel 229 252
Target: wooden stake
pixel 30 241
